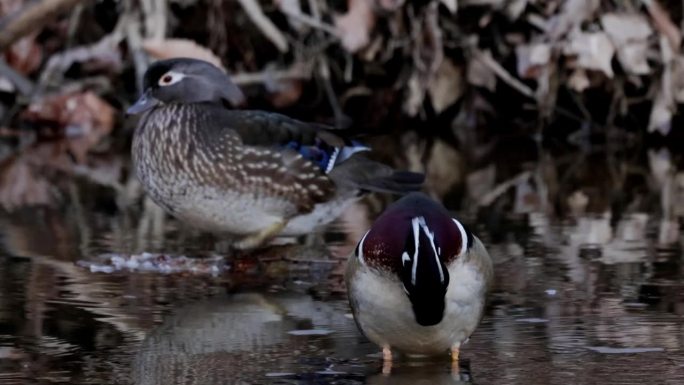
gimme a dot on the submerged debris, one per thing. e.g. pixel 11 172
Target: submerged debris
pixel 156 263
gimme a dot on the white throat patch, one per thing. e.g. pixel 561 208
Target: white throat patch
pixel 464 237
pixel 360 248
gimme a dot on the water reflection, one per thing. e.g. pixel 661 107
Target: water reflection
pixel 593 296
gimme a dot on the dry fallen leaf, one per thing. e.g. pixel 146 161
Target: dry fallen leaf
pixel 355 26
pixel 594 51
pixel 578 80
pixel 416 94
pixel 661 114
pixel 480 75
pixel 452 5
pixel 82 118
pixel 572 14
pixel 446 86
pixel 630 34
pixel 515 8
pixel 171 48
pixel 25 56
pixel 678 78
pixel 285 93
pixel 531 59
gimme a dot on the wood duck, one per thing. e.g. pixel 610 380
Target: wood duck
pixel 417 280
pixel 253 174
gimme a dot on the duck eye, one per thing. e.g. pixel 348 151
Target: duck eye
pixel 170 78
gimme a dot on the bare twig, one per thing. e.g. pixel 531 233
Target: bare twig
pixel 664 24
pixel 272 33
pixel 311 22
pixel 33 17
pixel 296 72
pixel 504 75
pixel 154 12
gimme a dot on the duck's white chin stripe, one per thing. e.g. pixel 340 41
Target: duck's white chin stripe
pixel 464 237
pixel 415 225
pixel 360 248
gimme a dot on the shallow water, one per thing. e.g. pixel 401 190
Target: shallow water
pixel 570 306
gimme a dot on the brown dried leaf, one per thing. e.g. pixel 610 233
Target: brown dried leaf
pixel 172 48
pixel 355 26
pixel 25 56
pixel 531 59
pixel 678 78
pixel 579 81
pixel 416 94
pixel 446 86
pixel 594 51
pixel 286 93
pixel 661 114
pixel 481 75
pixel 83 118
pixel 572 14
pixel 629 33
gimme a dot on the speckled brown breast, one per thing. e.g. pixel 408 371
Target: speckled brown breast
pixel 178 150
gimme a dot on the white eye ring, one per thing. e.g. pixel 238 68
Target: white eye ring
pixel 170 78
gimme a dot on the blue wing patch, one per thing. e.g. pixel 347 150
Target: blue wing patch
pixel 325 156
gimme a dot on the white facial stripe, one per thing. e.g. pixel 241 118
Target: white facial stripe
pixel 464 237
pixel 360 248
pixel 175 78
pixel 431 237
pixel 405 258
pixel 415 224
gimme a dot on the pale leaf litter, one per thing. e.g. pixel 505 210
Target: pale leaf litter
pixel 155 263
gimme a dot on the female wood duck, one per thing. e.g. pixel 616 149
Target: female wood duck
pixel 248 173
pixel 417 280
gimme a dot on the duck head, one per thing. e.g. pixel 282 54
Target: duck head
pixel 185 80
pixel 415 240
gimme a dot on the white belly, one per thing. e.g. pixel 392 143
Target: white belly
pixel 383 311
pixel 322 214
pixel 229 212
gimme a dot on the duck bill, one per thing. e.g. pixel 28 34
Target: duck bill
pixel 145 103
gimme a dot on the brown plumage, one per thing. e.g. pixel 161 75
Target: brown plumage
pixel 249 173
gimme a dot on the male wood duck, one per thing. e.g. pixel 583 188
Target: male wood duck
pixel 253 174
pixel 417 280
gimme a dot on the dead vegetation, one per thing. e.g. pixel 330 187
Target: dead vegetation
pixel 450 77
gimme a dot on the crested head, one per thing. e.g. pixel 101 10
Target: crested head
pixel 185 80
pixel 415 240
